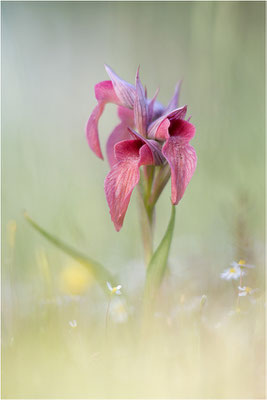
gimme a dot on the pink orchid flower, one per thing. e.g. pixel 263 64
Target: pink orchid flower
pixel 148 134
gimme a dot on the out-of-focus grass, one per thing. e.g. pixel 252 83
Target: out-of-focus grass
pixel 52 55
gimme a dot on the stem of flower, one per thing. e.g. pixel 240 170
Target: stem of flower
pixel 147 212
pixel 160 181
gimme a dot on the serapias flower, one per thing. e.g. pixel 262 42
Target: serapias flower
pixel 148 134
pixel 246 290
pixel 232 273
pixel 115 289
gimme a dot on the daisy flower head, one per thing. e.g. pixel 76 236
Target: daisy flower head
pixel 232 273
pixel 246 290
pixel 115 289
pixel 242 264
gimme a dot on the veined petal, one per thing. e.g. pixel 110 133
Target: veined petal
pixel 182 129
pixel 124 90
pixel 140 107
pixel 175 99
pixel 92 130
pixel 124 176
pixel 152 144
pixel 119 133
pixel 159 129
pixel 182 160
pixel 104 93
pixel 151 105
pixel 126 115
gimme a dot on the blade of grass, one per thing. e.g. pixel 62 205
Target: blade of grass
pixel 158 263
pixel 100 273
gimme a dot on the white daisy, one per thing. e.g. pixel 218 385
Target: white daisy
pixel 115 289
pixel 242 264
pixel 246 290
pixel 232 273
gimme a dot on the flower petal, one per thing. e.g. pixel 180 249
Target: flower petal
pixel 104 93
pixel 119 133
pixel 182 160
pixel 182 129
pixel 126 115
pixel 151 106
pixel 175 99
pixel 140 107
pixel 152 144
pixel 124 176
pixel 124 90
pixel 159 129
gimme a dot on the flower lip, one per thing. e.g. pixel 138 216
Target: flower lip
pixel 152 144
pixel 159 129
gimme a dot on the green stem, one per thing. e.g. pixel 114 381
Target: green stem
pixel 147 212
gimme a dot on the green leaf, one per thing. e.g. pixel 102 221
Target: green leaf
pixel 158 263
pixel 100 273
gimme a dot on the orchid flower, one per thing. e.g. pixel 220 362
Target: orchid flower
pixel 149 134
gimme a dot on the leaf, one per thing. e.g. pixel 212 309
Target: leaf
pixel 100 273
pixel 158 262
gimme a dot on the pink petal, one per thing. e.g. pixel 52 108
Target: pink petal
pixel 126 115
pixel 159 129
pixel 175 99
pixel 154 146
pixel 124 90
pixel 104 93
pixel 124 176
pixel 182 160
pixel 92 130
pixel 182 129
pixel 119 133
pixel 140 107
pixel 151 106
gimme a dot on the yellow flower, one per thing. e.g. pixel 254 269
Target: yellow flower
pixel 75 279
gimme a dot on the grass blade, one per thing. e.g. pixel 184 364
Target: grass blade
pixel 158 262
pixel 100 273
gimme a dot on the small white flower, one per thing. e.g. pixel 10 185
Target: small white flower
pixel 73 323
pixel 241 264
pixel 246 290
pixel 232 273
pixel 115 289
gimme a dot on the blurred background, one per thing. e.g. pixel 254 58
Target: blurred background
pixel 53 313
